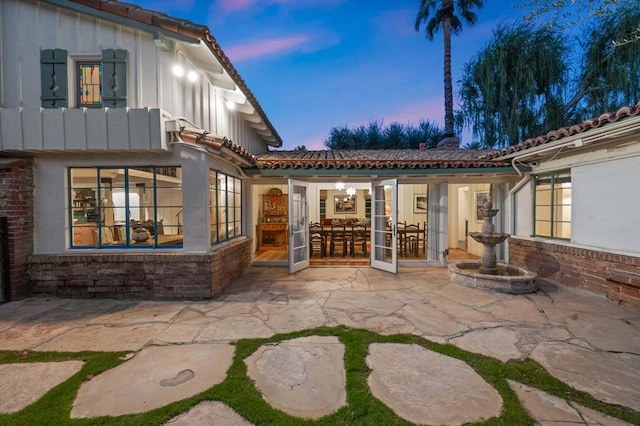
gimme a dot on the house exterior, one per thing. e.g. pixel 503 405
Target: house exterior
pixel 574 213
pixel 136 163
pixel 93 94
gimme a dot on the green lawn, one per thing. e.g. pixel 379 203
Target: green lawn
pixel 239 392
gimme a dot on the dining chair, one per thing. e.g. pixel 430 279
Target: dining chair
pixel 413 238
pixel 402 236
pixel 359 239
pixel 338 236
pixel 317 241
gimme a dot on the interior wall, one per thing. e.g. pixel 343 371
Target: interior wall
pixel 409 206
pixel 475 191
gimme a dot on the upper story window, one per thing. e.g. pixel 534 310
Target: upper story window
pixel 226 206
pixel 552 215
pixel 100 83
pixel 89 84
pixel 125 207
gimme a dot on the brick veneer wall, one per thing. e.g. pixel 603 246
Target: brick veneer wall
pixel 16 204
pixel 159 276
pixel 616 276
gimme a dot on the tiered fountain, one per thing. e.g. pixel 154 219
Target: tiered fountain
pixel 488 273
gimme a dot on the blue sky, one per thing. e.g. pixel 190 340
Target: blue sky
pixel 318 64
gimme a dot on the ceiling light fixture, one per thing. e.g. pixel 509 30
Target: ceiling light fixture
pixel 230 105
pixel 340 186
pixel 192 76
pixel 351 191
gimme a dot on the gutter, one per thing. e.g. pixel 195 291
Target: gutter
pixel 578 140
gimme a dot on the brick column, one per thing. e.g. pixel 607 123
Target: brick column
pixel 16 203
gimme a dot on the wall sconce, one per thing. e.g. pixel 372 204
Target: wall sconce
pixel 230 105
pixel 340 186
pixel 351 191
pixel 178 71
pixel 192 76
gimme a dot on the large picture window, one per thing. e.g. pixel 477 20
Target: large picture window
pixel 552 216
pixel 125 207
pixel 226 206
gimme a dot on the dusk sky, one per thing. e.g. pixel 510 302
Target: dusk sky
pixel 318 64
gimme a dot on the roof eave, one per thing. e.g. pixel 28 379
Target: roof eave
pixel 126 21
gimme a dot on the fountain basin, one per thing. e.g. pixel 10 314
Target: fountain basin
pixel 508 279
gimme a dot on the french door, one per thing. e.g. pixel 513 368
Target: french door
pixel 298 226
pixel 384 225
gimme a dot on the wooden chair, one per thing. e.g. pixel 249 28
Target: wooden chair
pixel 338 236
pixel 414 238
pixel 317 241
pixel 359 238
pixel 402 238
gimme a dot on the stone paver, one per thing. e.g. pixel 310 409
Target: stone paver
pixel 235 328
pixel 425 387
pixel 155 377
pixel 499 343
pixel 609 377
pixel 209 413
pixel 585 340
pixel 103 338
pixel 304 377
pixel 23 384
pixel 550 410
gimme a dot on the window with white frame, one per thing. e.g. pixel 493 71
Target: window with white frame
pixel 225 195
pixel 552 214
pixel 125 207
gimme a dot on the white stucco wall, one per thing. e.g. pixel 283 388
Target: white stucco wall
pixel 523 210
pixel 606 205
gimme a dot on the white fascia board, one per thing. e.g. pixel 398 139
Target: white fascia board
pixel 608 131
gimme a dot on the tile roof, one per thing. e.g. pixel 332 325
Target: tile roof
pixel 217 143
pixel 377 159
pixel 554 135
pixel 186 28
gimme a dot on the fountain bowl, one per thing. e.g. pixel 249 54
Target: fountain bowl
pixel 508 279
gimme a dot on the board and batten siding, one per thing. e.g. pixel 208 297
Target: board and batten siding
pixel 27 27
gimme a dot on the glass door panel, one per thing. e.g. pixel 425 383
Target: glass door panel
pixel 384 223
pixel 298 226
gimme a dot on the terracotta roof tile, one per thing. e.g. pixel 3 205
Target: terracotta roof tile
pixel 217 143
pixel 575 129
pixel 377 159
pixel 186 28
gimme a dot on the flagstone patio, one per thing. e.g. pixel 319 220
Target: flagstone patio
pixel 582 339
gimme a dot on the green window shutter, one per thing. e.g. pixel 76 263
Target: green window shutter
pixel 114 80
pixel 53 76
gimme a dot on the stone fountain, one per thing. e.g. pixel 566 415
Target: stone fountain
pixel 489 274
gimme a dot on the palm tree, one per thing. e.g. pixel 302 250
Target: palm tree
pixel 444 13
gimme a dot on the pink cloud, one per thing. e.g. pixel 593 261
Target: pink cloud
pixel 238 5
pixel 235 5
pixel 312 143
pixel 265 47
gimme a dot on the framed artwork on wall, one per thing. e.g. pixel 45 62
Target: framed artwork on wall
pixel 481 198
pixel 344 204
pixel 420 203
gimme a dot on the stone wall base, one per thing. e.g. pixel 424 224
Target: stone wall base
pixel 151 276
pixel 616 276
